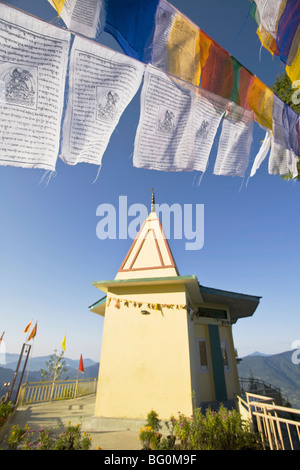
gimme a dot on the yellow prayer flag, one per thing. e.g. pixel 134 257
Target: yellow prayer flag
pixel 63 345
pixel 293 70
pixel 184 50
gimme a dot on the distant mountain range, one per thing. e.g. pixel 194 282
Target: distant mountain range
pixel 277 369
pixel 35 364
pixel 10 361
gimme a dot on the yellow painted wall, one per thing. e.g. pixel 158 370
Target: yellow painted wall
pixel 145 359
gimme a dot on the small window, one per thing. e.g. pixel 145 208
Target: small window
pixel 225 355
pixel 212 313
pixel 203 355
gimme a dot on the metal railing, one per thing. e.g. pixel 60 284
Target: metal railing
pixel 278 426
pixel 39 392
pixel 261 387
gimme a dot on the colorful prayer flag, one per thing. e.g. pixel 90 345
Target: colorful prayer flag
pixel 63 345
pixel 81 367
pixel 131 23
pixel 33 333
pixel 176 44
pixel 217 72
pixel 27 327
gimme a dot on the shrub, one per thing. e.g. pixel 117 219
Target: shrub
pixel 145 436
pixel 153 421
pixel 62 438
pixel 222 430
pixel 5 410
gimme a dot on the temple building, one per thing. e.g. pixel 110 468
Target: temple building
pixel 167 340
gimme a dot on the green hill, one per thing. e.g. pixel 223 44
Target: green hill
pixel 278 370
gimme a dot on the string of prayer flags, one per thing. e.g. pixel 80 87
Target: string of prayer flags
pixel 33 66
pixel 235 142
pixel 132 25
pixel 116 303
pixel 176 44
pixel 165 134
pixel 279 31
pixel 78 16
pixel 102 83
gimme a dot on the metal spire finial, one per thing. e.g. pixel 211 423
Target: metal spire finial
pixel 153 200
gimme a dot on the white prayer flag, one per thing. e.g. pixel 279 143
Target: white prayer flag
pixel 79 16
pixel 282 161
pixel 102 83
pixel 235 142
pixel 268 14
pixel 263 152
pixel 33 64
pixel 209 110
pixel 165 134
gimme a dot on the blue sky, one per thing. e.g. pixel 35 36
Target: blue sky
pixel 50 254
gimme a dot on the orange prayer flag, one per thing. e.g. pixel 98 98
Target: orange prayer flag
pixel 33 333
pixel 81 368
pixel 27 327
pixel 260 101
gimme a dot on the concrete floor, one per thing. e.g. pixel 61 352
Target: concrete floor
pixel 77 411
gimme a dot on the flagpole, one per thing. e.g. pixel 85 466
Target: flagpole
pixel 76 387
pixel 31 350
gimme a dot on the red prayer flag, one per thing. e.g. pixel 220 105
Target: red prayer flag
pixel 81 368
pixel 2 337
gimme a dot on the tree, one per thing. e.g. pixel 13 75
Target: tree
pixel 289 93
pixel 55 367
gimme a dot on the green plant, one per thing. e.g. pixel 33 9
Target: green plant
pixel 145 436
pixel 55 367
pixel 222 430
pixel 62 438
pixel 5 410
pixel 153 421
pixel 149 435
